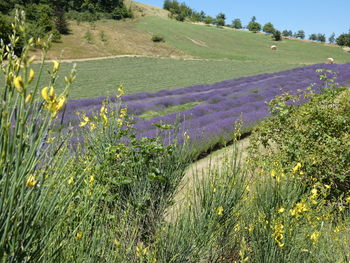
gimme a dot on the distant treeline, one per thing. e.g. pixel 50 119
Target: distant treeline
pixel 182 12
pixel 46 17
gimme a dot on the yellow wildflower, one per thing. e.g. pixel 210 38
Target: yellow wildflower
pixel 337 229
pixel 121 91
pixel 123 112
pixel 31 76
pixel 44 94
pixel 92 126
pixel 71 180
pixel 327 186
pixel 278 234
pixel 298 209
pixel 347 199
pixel 281 210
pixel 84 121
pixel 314 193
pixel 60 103
pixel 296 167
pixel 79 235
pixel 220 210
pixel 56 66
pixel 315 236
pixel 236 228
pixel 273 173
pixel 28 98
pixel 31 181
pixel 19 85
pixel 92 179
pixel 119 122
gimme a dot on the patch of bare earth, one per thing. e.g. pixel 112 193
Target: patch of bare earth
pixel 141 9
pixel 198 42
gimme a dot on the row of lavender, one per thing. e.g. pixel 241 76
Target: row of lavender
pixel 221 104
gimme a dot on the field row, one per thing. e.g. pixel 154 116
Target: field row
pixel 102 77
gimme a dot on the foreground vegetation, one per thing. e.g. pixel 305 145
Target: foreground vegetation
pixel 101 194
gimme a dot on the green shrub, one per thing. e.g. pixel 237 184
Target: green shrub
pixel 88 36
pixel 132 182
pixel 33 189
pixel 5 25
pixel 158 38
pixel 311 140
pixel 276 35
pixel 103 36
pixel 269 28
pixel 121 13
pixel 85 16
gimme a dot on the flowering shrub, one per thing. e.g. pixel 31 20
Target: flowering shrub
pixel 310 140
pixel 32 163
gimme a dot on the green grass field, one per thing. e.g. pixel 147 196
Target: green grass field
pixel 102 77
pixel 217 43
pixel 224 54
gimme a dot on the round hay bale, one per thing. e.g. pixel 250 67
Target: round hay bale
pixel 330 60
pixel 273 47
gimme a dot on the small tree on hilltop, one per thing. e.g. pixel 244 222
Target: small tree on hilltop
pixel 331 39
pixel 343 40
pixel 269 28
pixel 209 20
pixel 254 26
pixel 300 34
pixel 236 23
pixel 220 19
pixel 313 37
pixel 321 37
pixel 287 33
pixel 277 36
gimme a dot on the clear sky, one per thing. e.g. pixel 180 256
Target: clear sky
pixel 312 16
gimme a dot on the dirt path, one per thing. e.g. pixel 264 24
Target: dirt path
pixel 121 56
pixel 200 170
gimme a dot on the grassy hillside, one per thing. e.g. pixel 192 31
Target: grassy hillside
pixel 217 43
pixel 219 54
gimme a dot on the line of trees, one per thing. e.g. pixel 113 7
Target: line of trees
pixel 46 17
pixel 181 12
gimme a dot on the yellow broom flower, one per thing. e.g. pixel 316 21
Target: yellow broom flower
pixel 19 85
pixel 31 76
pixel 220 210
pixel 31 181
pixel 56 66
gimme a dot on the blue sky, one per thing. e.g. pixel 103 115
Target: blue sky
pixel 312 16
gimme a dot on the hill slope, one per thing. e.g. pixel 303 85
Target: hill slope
pixel 192 54
pixel 218 43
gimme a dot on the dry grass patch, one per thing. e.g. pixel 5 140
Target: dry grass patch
pixel 108 38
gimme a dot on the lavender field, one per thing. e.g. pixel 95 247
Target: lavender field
pixel 219 105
